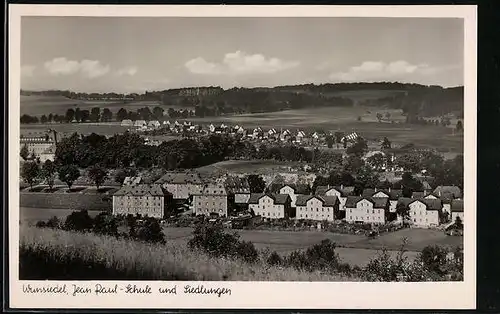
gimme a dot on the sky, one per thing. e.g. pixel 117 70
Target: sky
pixel 135 54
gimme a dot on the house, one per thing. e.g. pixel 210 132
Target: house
pixel 360 209
pixel 352 137
pixel 272 206
pixel 127 122
pixel 257 133
pixel 132 181
pixel 182 185
pixel 166 123
pixel 271 133
pixel 285 135
pixel 212 200
pixel 211 128
pixel 425 212
pixel 300 136
pixel 453 191
pixel 457 210
pixel 144 199
pixel 239 187
pixel 293 190
pixel 316 207
pixel 340 192
pixel 38 146
pixel 140 123
pixel 154 124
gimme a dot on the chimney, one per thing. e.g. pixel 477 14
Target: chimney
pixel 389 189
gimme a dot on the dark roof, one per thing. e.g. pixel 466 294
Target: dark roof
pixel 417 195
pixel 395 194
pixel 237 185
pixel 141 190
pixel 326 200
pixel 213 190
pixel 457 206
pixel 180 178
pixel 345 191
pixel 431 204
pixel 278 198
pixel 405 201
pixel 368 192
pixel 448 189
pixel 298 188
pixel 378 202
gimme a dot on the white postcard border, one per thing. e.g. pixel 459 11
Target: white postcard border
pixel 289 295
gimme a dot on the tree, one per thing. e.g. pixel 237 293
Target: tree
pixel 68 174
pixel 386 144
pixel 330 140
pixel 122 114
pixel 460 126
pixel 458 223
pixel 106 115
pixel 256 183
pixel 98 175
pixel 120 175
pixel 95 114
pixel 376 161
pixel 403 211
pixel 409 162
pixel 387 115
pixel 359 148
pixel 48 173
pixel 50 118
pixel 379 116
pixel 338 137
pixel 79 221
pixel 30 172
pixel 433 258
pixel 84 116
pixel 43 119
pixel 410 184
pixel 70 115
pixel 359 118
pixel 24 152
pixel 158 113
pixel 367 177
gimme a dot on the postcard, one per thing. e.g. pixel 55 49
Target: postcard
pixel 272 157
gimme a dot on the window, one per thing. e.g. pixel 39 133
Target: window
pixel 373 211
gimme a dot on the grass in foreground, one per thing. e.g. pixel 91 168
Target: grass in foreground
pixel 62 255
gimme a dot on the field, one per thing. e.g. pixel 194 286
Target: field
pixel 62 255
pixel 39 105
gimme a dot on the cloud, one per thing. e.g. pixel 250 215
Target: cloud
pixel 130 71
pixel 239 62
pixel 87 68
pixel 27 70
pixel 376 70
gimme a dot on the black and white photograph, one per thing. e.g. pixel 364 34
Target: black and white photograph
pixel 241 149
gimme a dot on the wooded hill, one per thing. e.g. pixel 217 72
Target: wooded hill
pixel 413 99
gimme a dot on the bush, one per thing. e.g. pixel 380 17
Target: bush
pixel 274 259
pixel 434 258
pixel 322 255
pixel 79 221
pixel 54 223
pixel 41 224
pixel 247 252
pixel 297 260
pixel 213 240
pixel 105 223
pixel 150 231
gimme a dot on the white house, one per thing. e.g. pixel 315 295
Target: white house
pixel 272 206
pixel 154 124
pixel 425 212
pixel 141 199
pixel 140 123
pixel 338 192
pixel 316 207
pixel 366 210
pixel 293 190
pixel 300 136
pixel 127 122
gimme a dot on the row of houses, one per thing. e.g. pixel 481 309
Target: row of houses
pixel 288 201
pixel 41 147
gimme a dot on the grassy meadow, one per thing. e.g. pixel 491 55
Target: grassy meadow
pixel 56 254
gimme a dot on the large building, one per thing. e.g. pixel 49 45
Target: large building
pixel 211 200
pixel 42 147
pixel 272 206
pixel 425 212
pixel 144 199
pixel 182 185
pixel 316 207
pixel 293 190
pixel 340 192
pixel 366 209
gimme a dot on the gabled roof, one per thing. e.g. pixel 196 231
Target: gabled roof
pixel 214 189
pixel 345 191
pixel 132 180
pixel 368 192
pixel 404 201
pixel 326 200
pixel 430 204
pixel 237 185
pixel 180 178
pixel 417 195
pixel 278 198
pixel 141 190
pixel 378 202
pixel 297 188
pixel 457 206
pixel 448 189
